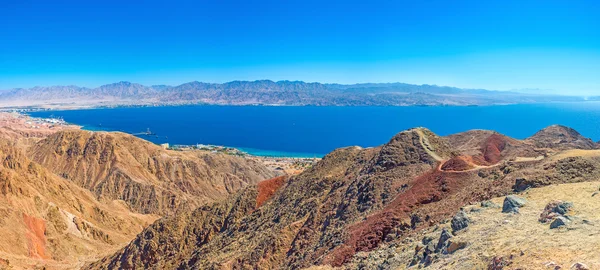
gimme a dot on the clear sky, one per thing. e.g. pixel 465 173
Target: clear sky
pixel 499 45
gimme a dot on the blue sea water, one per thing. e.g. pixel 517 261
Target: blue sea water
pixel 314 131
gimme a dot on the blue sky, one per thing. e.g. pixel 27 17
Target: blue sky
pixel 474 44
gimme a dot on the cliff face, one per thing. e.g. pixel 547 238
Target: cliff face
pixel 353 202
pixel 117 166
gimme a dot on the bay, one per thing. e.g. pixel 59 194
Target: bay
pixel 313 131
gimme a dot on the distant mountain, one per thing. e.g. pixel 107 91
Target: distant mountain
pixel 266 92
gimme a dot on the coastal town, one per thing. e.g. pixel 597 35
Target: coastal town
pixel 21 123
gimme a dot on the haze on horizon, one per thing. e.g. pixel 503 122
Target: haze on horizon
pixel 507 45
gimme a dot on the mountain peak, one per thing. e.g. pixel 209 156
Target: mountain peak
pixel 559 136
pixel 412 146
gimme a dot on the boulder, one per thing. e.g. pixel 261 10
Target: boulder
pixel 555 209
pixel 563 207
pixel 579 266
pixel 426 240
pixel 414 220
pixel 442 245
pixel 522 184
pixel 512 204
pixel 460 221
pixel 456 245
pixel 559 222
pixel 423 253
pixel 488 204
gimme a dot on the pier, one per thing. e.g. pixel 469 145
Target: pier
pixel 146 133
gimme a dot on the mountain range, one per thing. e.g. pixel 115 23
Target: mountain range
pixel 73 199
pixel 265 92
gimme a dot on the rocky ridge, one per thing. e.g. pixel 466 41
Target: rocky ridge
pixel 355 203
pixel 68 197
pixel 149 179
pixel 48 220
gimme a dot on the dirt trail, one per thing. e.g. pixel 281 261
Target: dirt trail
pixel 427 146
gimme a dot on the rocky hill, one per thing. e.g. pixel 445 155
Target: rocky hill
pixel 150 180
pixel 49 221
pixel 561 137
pixel 69 197
pixel 263 92
pixel 361 208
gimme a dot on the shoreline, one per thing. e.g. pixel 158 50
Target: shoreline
pixel 284 163
pixel 25 121
pixel 240 151
pixel 39 108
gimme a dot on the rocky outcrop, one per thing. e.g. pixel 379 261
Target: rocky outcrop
pixel 460 221
pixel 443 242
pixel 555 209
pixel 512 204
pixel 522 184
pixel 579 266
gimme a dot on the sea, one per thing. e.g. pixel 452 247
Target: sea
pixel 313 131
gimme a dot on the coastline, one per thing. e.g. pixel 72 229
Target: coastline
pixel 281 162
pixel 242 151
pixel 306 131
pixel 71 107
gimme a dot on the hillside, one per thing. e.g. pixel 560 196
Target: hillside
pixel 150 180
pixel 263 92
pixel 47 220
pixel 518 241
pixel 359 208
pixel 68 197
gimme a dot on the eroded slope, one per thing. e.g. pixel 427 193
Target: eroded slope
pixel 117 166
pixel 48 221
pixel 353 202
